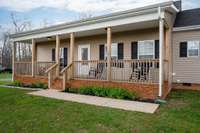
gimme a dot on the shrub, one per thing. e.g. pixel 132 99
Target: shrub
pixel 71 90
pixel 39 85
pixel 17 83
pixel 121 94
pixel 117 93
pixel 100 91
pixel 86 90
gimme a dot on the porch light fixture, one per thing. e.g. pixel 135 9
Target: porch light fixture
pixel 49 38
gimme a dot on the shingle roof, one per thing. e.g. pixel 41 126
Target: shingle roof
pixel 188 18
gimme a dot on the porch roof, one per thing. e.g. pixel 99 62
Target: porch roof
pixel 134 16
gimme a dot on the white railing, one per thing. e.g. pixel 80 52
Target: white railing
pixel 93 69
pixel 23 68
pixel 41 67
pixel 134 71
pixel 138 71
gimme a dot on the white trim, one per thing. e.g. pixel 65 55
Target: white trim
pixel 83 46
pixel 188 55
pixel 161 43
pixel 186 28
pixel 150 16
pixel 80 57
pixel 153 48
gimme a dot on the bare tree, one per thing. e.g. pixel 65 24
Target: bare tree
pixel 6 51
pixel 23 50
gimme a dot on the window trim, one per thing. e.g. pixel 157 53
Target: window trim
pixel 188 55
pixel 138 53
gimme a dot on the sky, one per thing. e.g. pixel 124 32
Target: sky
pixel 50 12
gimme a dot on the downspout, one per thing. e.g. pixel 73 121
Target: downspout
pixel 161 43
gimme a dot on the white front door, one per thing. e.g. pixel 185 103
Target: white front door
pixel 83 55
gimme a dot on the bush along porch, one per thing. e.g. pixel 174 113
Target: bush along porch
pixel 117 93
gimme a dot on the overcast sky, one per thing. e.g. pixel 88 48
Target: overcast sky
pixel 59 11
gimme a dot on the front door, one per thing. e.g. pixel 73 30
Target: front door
pixel 83 55
pixel 63 58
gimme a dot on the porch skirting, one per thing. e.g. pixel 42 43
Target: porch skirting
pixel 30 79
pixel 144 91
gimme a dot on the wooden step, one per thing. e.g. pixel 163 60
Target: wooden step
pixel 57 84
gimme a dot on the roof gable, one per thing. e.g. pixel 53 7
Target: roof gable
pixel 188 18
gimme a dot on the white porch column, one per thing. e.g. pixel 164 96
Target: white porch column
pixel 109 43
pixel 13 60
pixel 161 41
pixel 33 57
pixel 57 55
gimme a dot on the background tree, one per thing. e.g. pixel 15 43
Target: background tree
pixel 23 51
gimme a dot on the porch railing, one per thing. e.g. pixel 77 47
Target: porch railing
pixel 23 68
pixel 41 67
pixel 134 71
pixel 51 74
pixel 67 73
pixel 139 71
pixel 92 69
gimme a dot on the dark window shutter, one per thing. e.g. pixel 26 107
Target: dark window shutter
pixel 156 49
pixel 120 51
pixel 65 57
pixel 183 49
pixel 53 54
pixel 101 52
pixel 134 50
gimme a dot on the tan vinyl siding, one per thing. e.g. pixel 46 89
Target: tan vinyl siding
pixel 44 49
pixel 187 70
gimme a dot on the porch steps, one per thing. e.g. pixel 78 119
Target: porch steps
pixel 57 84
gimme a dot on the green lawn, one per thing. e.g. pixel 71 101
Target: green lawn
pixel 22 113
pixel 5 77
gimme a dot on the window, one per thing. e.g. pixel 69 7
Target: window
pixel 84 53
pixel 114 51
pixel 146 49
pixel 193 48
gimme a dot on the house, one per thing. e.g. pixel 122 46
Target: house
pixel 146 50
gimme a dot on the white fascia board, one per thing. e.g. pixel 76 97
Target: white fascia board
pixel 111 23
pixel 186 28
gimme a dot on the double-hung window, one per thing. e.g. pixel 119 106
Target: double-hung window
pixel 114 51
pixel 146 49
pixel 193 48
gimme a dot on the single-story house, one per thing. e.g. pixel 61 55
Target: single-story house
pixel 147 50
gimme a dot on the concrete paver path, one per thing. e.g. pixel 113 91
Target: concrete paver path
pixel 99 101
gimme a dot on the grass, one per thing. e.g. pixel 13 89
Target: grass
pixel 22 113
pixel 5 78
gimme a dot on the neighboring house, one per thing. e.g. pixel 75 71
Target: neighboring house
pixel 144 50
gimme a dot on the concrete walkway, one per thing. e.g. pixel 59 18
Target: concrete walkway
pixel 99 101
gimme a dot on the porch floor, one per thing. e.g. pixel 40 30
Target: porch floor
pixel 99 101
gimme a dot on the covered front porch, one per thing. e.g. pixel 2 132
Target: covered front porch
pixel 134 50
